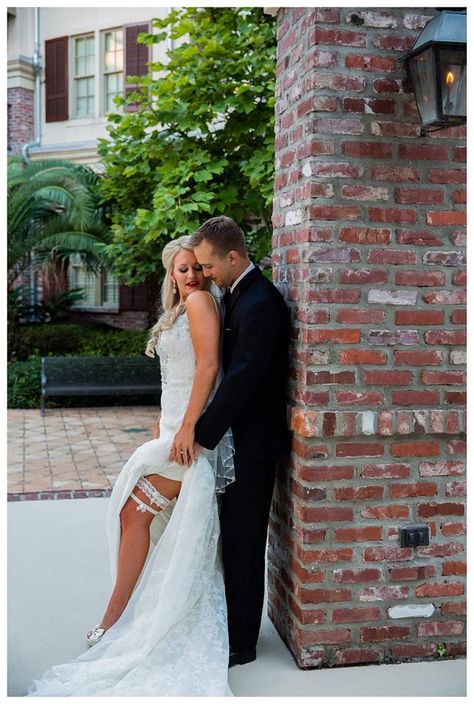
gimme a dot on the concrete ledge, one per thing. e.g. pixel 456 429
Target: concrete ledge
pixel 58 584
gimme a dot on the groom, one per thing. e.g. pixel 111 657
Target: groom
pixel 251 399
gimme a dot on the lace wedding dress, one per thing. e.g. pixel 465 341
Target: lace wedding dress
pixel 172 638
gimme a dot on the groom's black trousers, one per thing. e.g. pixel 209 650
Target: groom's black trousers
pixel 244 516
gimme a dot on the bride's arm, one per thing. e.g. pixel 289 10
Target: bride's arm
pixel 204 326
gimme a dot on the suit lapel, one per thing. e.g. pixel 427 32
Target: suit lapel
pixel 246 281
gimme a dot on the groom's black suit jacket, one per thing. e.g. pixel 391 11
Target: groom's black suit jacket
pixel 251 398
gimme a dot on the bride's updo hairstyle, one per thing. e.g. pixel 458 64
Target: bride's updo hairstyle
pixel 170 302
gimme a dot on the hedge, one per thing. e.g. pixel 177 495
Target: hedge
pixel 24 384
pixel 57 340
pixel 24 377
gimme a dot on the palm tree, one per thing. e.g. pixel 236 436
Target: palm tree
pixel 53 211
pixel 53 206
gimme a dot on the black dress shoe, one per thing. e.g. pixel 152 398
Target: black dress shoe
pixel 241 657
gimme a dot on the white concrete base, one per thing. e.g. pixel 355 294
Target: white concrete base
pixel 59 583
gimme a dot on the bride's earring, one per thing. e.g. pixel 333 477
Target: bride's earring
pixel 174 287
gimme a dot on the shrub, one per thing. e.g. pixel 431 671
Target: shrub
pixel 24 391
pixel 58 340
pixel 24 377
pixel 24 383
pixel 121 342
pixel 50 339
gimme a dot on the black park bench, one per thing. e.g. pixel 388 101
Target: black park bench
pixel 97 376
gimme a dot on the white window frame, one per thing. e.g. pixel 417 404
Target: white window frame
pixel 99 75
pixel 104 73
pixel 74 78
pixel 98 281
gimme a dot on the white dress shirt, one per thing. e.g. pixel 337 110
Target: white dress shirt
pixel 244 273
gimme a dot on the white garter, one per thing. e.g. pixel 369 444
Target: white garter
pixel 142 506
pixel 152 493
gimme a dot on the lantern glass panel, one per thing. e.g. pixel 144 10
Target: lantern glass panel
pixel 453 82
pixel 423 77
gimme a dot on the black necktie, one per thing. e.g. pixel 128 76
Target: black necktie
pixel 227 297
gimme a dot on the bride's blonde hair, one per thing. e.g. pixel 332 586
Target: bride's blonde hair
pixel 170 302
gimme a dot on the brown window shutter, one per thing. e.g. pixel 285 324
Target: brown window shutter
pixel 136 58
pixel 56 62
pixel 133 297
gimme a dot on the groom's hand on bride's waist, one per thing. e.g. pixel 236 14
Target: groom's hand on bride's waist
pixel 185 453
pixel 186 459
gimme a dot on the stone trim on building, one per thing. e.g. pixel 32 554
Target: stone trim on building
pixel 80 153
pixel 21 73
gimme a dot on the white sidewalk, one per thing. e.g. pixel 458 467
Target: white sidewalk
pixel 59 582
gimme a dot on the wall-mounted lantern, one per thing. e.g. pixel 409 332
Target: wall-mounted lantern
pixel 437 67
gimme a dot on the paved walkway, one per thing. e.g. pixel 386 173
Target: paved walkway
pixel 72 452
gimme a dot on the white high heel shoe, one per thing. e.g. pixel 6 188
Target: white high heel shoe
pixel 95 635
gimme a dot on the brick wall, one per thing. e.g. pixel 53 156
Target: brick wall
pixel 369 247
pixel 20 118
pixel 125 320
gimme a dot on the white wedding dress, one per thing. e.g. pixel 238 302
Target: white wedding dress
pixel 172 638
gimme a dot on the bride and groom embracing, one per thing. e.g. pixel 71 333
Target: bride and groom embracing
pixel 188 515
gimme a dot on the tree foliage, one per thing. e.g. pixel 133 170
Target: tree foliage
pixel 53 210
pixel 201 142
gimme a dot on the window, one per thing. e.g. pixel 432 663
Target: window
pixel 112 67
pixel 84 78
pixel 101 289
pixel 84 73
pixel 109 288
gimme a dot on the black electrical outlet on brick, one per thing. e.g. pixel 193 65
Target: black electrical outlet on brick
pixel 413 535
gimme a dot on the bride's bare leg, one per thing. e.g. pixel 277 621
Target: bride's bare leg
pixel 134 545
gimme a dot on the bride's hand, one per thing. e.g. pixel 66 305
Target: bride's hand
pixel 182 449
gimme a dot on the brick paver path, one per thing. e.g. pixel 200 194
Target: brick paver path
pixel 72 452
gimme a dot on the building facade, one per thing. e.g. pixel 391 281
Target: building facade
pixel 65 66
pixel 369 251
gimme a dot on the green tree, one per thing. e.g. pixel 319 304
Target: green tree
pixel 201 142
pixel 54 209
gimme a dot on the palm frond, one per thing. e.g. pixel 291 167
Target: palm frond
pixel 47 196
pixel 53 206
pixel 72 240
pixel 59 247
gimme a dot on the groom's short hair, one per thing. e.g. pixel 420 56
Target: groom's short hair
pixel 223 234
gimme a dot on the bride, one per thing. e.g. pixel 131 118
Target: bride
pixel 164 630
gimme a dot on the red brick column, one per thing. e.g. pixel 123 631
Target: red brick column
pixel 20 118
pixel 369 251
